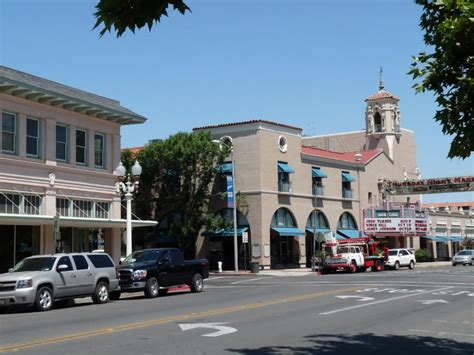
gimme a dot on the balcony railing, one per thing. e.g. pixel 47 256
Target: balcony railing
pixel 284 186
pixel 318 190
pixel 347 193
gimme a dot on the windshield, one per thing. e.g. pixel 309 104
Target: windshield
pixel 393 252
pixel 343 250
pixel 142 256
pixel 464 252
pixel 35 264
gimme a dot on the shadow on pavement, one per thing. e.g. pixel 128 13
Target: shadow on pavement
pixel 368 343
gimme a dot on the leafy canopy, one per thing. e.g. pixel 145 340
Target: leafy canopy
pixel 133 14
pixel 448 71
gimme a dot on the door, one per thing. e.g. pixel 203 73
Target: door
pixel 181 273
pixel 66 279
pixel 84 276
pixel 165 269
pixel 404 257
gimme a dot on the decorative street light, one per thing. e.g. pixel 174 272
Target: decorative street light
pixel 128 187
pixel 227 142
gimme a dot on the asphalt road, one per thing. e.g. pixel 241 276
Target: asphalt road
pixel 421 311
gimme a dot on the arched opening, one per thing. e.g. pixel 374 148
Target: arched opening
pixel 347 227
pixel 284 240
pixel 313 245
pixel 220 245
pixel 377 122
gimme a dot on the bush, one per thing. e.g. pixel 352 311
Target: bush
pixel 421 255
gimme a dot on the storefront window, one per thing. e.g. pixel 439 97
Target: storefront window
pixel 18 242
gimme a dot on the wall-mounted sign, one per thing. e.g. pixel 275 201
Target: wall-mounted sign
pixel 429 186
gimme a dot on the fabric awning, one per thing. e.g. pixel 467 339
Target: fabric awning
pixel 442 239
pixel 346 177
pixel 288 231
pixel 318 230
pixel 318 173
pixel 428 237
pixel 285 168
pixel 348 233
pixel 229 232
pixel 225 168
pixel 456 238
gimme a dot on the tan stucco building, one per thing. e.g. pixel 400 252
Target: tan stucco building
pixel 59 149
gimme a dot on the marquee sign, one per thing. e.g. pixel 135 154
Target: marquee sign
pixel 397 221
pixel 430 186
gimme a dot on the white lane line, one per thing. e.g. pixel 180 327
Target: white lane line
pixel 440 333
pixel 256 279
pixel 381 301
pixel 215 278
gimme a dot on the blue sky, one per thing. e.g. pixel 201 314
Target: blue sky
pixel 307 63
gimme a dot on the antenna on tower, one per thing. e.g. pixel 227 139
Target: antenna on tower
pixel 381 87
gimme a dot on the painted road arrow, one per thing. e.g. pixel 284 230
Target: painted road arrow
pixel 360 298
pixel 432 301
pixel 221 329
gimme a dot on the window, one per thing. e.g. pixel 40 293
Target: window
pixel 100 260
pixel 8 132
pixel 65 261
pixel 99 150
pixel 377 122
pixel 16 204
pixel 61 142
pixel 62 206
pixel 81 262
pixel 81 147
pixel 9 203
pixel 82 208
pixel 32 137
pixel 284 171
pixel 369 197
pixel 317 176
pixel 283 218
pixel 346 184
pixel 102 209
pixel 346 221
pixel 32 204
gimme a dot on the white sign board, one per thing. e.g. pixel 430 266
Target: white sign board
pixel 245 237
pixel 395 225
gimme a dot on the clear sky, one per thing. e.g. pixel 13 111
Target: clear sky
pixel 306 63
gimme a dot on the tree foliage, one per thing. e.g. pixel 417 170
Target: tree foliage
pixel 122 15
pixel 176 182
pixel 448 71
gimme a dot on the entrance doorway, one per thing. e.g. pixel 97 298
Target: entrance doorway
pixel 18 242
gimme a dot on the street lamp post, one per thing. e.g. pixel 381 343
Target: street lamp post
pixel 128 187
pixel 227 142
pixel 315 221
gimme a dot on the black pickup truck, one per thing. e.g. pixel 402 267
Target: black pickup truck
pixel 154 271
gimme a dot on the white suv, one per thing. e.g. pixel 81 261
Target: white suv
pixel 400 257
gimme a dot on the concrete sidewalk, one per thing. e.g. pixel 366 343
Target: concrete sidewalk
pixel 307 271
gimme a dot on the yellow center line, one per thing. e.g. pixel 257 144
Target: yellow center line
pixel 130 326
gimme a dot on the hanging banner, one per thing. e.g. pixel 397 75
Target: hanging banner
pixel 230 192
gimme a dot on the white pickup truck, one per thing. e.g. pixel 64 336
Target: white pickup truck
pixel 349 258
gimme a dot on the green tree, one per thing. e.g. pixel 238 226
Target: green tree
pixel 177 182
pixel 448 71
pixel 121 15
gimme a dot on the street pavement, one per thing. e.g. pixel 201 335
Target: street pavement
pixel 422 311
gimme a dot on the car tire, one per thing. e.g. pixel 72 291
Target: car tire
pixel 353 267
pixel 396 266
pixel 151 288
pixel 378 266
pixel 162 292
pixel 197 283
pixel 44 299
pixel 101 293
pixel 115 295
pixel 454 264
pixel 412 265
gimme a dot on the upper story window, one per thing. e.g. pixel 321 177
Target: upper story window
pixel 32 137
pixel 284 171
pixel 377 122
pixel 61 142
pixel 283 218
pixel 81 147
pixel 346 221
pixel 20 204
pixel 99 150
pixel 82 208
pixel 9 132
pixel 346 184
pixel 318 175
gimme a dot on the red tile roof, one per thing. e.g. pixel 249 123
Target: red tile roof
pixel 244 123
pixel 134 150
pixel 366 155
pixel 381 94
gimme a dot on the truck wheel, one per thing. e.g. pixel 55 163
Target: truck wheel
pixel 101 293
pixel 151 288
pixel 162 292
pixel 397 266
pixel 115 295
pixel 44 299
pixel 412 265
pixel 353 267
pixel 197 283
pixel 377 266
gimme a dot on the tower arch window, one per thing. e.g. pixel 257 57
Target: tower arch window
pixel 377 122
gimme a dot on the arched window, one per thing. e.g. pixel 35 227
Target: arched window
pixel 377 122
pixel 346 221
pixel 322 222
pixel 283 218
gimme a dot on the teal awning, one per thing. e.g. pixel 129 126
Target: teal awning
pixel 346 177
pixel 288 231
pixel 228 232
pixel 318 230
pixel 456 239
pixel 225 168
pixel 429 237
pixel 318 173
pixel 348 233
pixel 285 168
pixel 441 239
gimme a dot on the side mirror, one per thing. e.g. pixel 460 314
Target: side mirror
pixel 163 261
pixel 62 267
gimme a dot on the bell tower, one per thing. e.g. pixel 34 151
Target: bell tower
pixel 382 119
